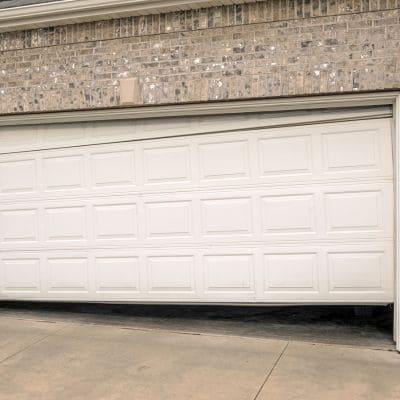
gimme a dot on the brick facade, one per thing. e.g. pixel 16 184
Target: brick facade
pixel 266 49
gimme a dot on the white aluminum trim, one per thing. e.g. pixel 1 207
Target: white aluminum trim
pixel 206 108
pixel 396 119
pixel 72 11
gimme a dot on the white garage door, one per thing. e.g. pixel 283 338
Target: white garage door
pixel 288 214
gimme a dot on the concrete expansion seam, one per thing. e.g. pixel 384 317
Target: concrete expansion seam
pixel 270 372
pixel 33 344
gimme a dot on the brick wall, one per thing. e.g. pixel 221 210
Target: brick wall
pixel 266 49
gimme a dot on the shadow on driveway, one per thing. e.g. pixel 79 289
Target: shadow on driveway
pixel 365 326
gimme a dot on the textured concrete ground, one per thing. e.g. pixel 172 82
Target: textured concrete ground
pixel 118 352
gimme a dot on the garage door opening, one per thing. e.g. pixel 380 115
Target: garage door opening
pixel 293 208
pixel 368 327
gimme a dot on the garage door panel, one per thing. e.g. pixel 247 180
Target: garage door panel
pixel 65 224
pixel 169 219
pixel 324 152
pixel 273 157
pixel 294 275
pixel 329 273
pixel 18 175
pixel 360 272
pixel 318 213
pixel 233 166
pixel 281 273
pixel 21 276
pixel 67 275
pixel 229 274
pixel 328 211
pixel 113 168
pixel 281 155
pixel 116 275
pixel 359 211
pixel 171 275
pixel 41 225
pixel 346 151
pixel 62 134
pixel 19 225
pixel 354 211
pixel 115 221
pixel 292 214
pixel 167 164
pixel 351 149
pixel 355 271
pixel 63 170
pixel 288 214
pixel 227 216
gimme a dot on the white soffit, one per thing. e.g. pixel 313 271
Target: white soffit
pixel 72 11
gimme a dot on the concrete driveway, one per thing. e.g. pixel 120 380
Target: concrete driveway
pixel 54 357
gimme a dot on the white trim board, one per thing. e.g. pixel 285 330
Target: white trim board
pixel 396 133
pixel 205 108
pixel 72 11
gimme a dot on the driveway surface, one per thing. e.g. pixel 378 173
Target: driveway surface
pixel 60 355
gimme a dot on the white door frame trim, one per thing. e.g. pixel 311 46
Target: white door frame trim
pixel 205 108
pixel 396 136
pixel 243 106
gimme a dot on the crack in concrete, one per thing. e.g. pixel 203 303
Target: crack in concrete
pixel 271 371
pixel 32 344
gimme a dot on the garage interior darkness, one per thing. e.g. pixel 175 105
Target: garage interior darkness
pixel 293 207
pixel 364 326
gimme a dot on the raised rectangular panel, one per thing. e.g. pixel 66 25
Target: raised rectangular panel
pixel 18 176
pixel 289 155
pixel 226 216
pixel 167 164
pixel 117 274
pixel 349 151
pixel 115 221
pixel 354 211
pixel 21 275
pixel 63 172
pixel 224 160
pixel 358 271
pixel 169 219
pixel 67 275
pixel 227 273
pixel 115 168
pixel 288 213
pixel 65 223
pixel 19 225
pixel 290 272
pixel 171 273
